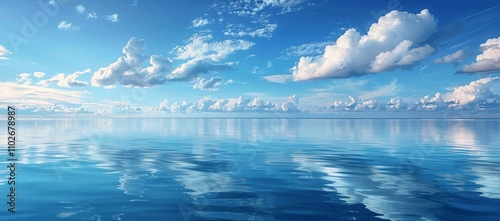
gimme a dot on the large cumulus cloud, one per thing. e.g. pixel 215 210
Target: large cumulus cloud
pixel 488 61
pixel 200 55
pixel 395 41
pixel 477 94
pixel 128 69
pixel 454 58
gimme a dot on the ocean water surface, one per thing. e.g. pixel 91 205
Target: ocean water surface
pixel 255 169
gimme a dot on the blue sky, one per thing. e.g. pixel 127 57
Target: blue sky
pixel 141 56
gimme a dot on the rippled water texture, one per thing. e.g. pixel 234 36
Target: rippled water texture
pixel 256 169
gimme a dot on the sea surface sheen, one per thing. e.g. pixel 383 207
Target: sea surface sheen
pixel 255 169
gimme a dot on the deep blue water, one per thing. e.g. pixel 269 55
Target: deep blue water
pixel 255 169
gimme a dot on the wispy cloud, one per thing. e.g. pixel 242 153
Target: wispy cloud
pixel 112 17
pixel 269 64
pixel 30 95
pixel 391 89
pixel 80 9
pixel 265 31
pixel 3 52
pixel 128 69
pixel 481 12
pixel 91 15
pixel 281 79
pixel 256 8
pixel 255 69
pixel 199 22
pixel 66 81
pixel 208 84
pixel 65 25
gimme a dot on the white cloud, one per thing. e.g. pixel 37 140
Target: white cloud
pixel 128 69
pixel 369 105
pixel 344 105
pixel 55 109
pixel 475 94
pixel 91 15
pixel 198 47
pixel 24 78
pixel 309 49
pixel 281 79
pixel 205 57
pixel 266 31
pixel 125 108
pixel 284 3
pixel 343 85
pixel 163 106
pixel 386 46
pixel 80 8
pixel 402 56
pixel 488 61
pixel 255 69
pixel 428 103
pixel 65 25
pixel 112 17
pixel 252 8
pixel 196 67
pixel 66 81
pixel 396 103
pixel 208 84
pixel 455 57
pixel 3 52
pixel 180 107
pixel 39 74
pixel 198 22
pixel 291 105
pixel 384 91
pixel 33 96
pixel 239 104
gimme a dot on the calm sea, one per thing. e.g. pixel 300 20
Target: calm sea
pixel 254 169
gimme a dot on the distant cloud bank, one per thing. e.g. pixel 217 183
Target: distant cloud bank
pixel 475 96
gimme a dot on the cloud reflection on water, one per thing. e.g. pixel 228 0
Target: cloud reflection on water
pixel 358 159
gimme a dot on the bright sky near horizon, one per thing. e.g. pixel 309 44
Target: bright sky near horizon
pixel 140 56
